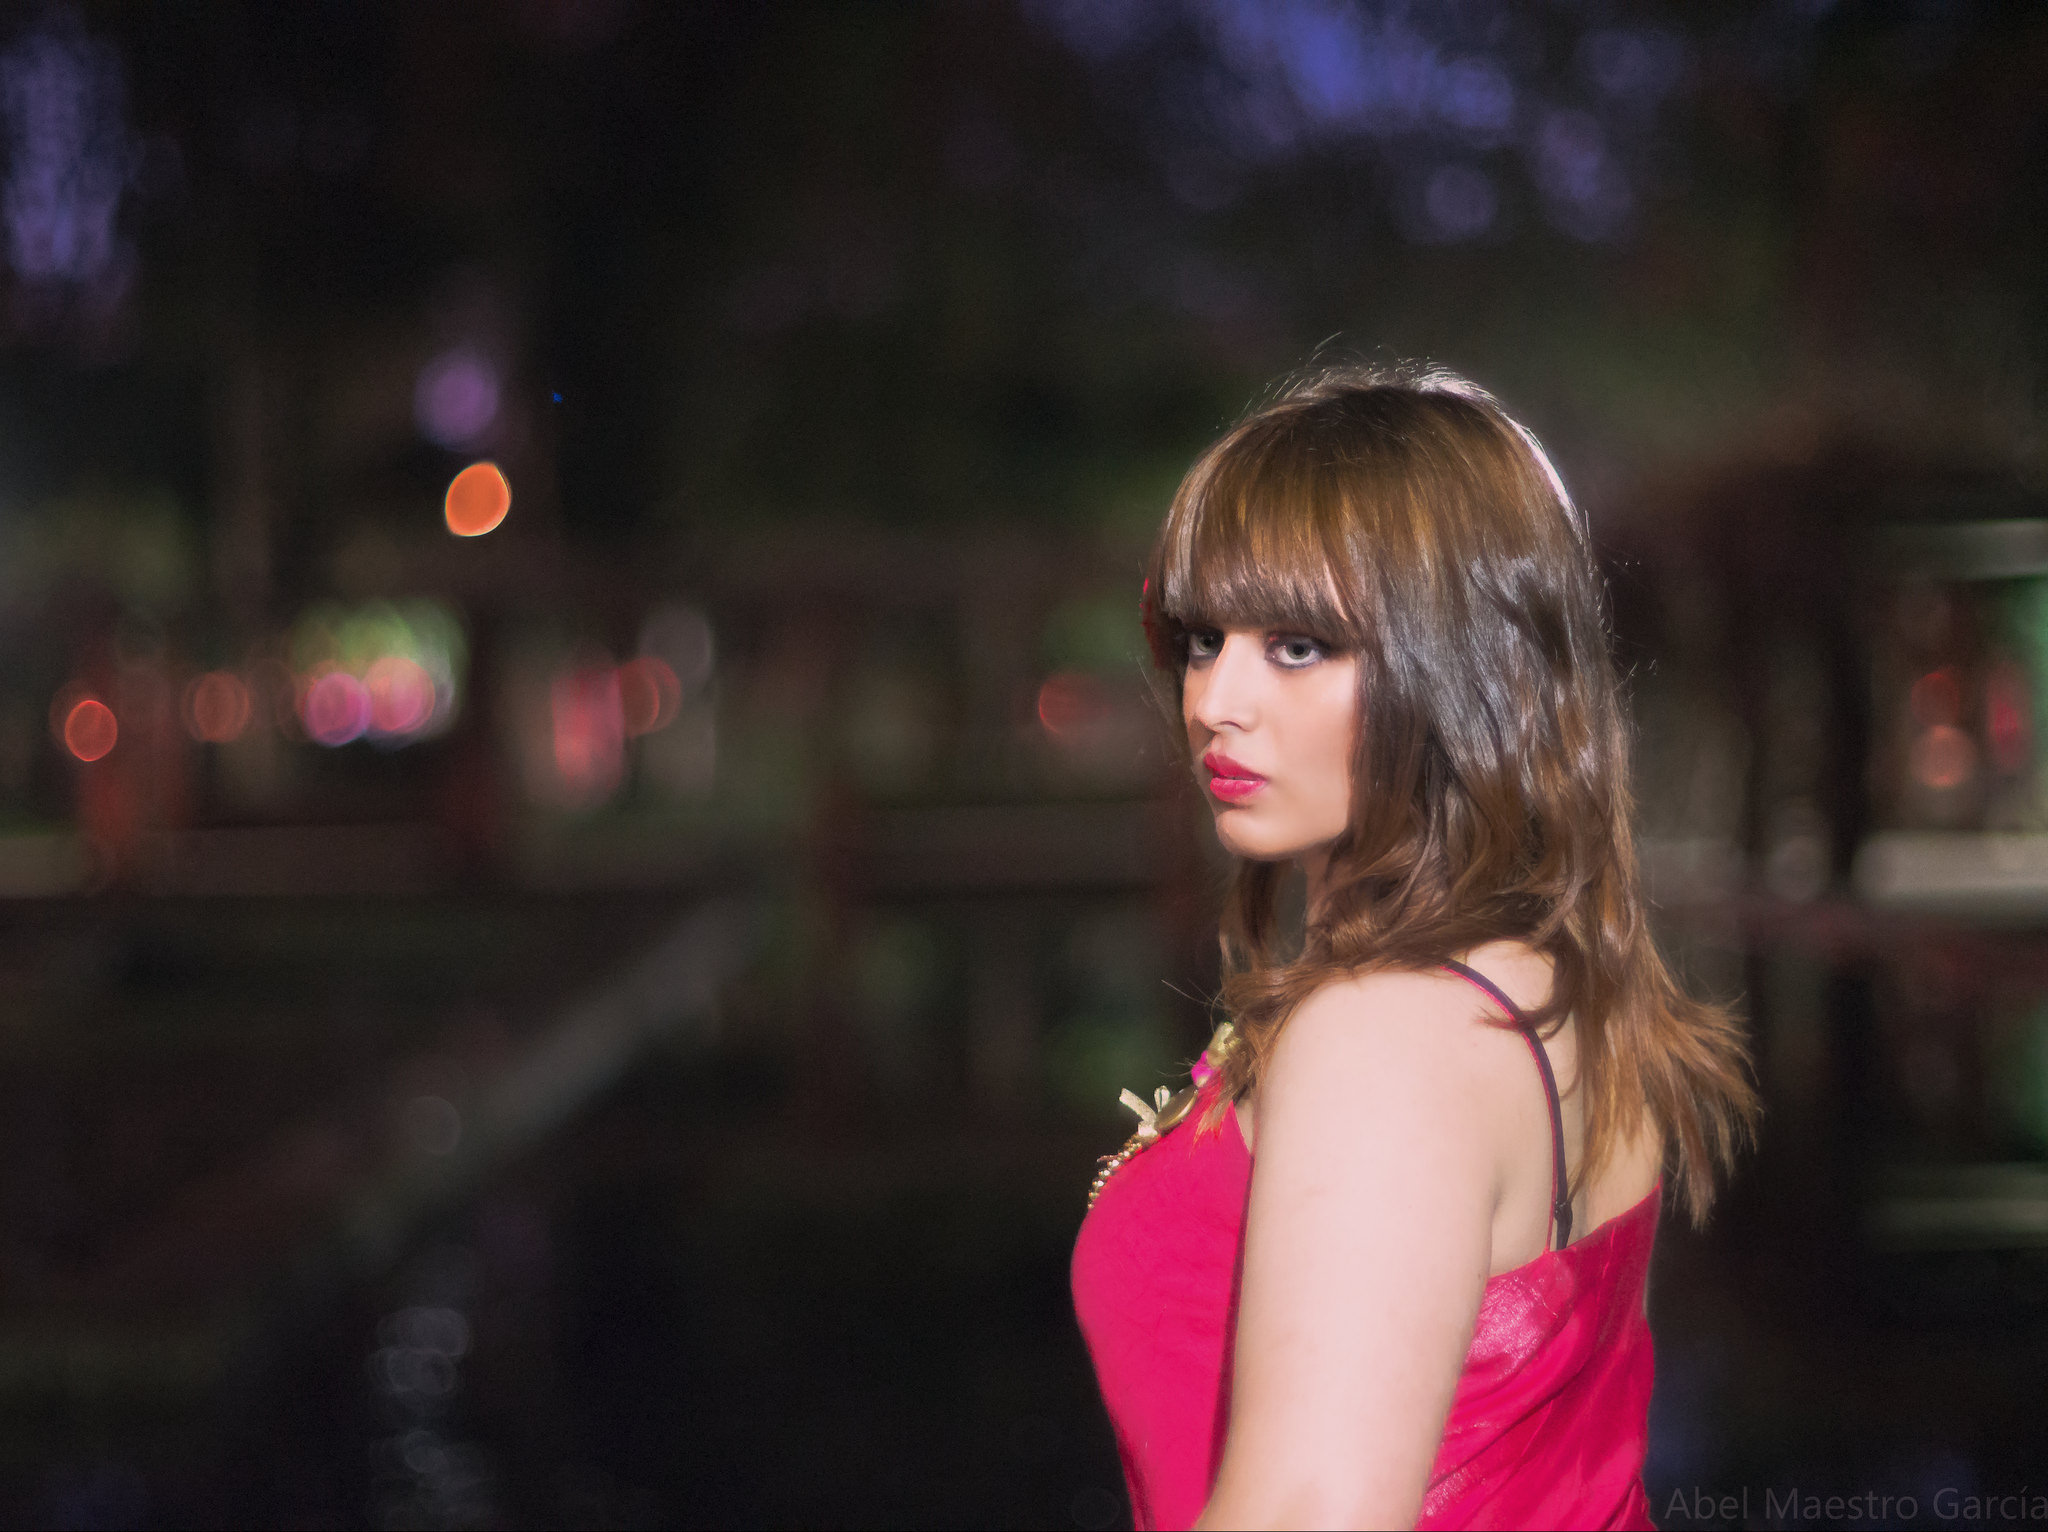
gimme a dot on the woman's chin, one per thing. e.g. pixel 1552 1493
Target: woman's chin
pixel 1255 842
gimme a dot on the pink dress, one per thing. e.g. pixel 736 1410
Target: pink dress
pixel 1550 1420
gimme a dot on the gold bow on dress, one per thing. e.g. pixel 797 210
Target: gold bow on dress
pixel 1148 1116
pixel 1167 1108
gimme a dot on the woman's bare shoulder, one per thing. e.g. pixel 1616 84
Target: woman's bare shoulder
pixel 1424 1036
pixel 1374 1013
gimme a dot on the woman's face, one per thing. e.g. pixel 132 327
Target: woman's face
pixel 1271 720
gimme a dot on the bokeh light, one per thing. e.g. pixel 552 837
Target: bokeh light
pixel 405 658
pixel 2005 718
pixel 589 732
pixel 679 635
pixel 70 155
pixel 1944 757
pixel 455 400
pixel 90 729
pixel 478 498
pixel 401 695
pixel 335 707
pixel 217 707
pixel 1071 702
pixel 1938 698
pixel 649 694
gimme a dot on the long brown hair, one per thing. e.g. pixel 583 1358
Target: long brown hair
pixel 1404 517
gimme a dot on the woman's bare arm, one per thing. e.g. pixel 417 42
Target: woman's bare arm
pixel 1367 1246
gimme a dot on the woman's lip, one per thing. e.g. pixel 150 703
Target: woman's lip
pixel 1219 764
pixel 1230 781
pixel 1235 789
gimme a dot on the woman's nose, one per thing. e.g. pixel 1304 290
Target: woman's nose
pixel 1230 683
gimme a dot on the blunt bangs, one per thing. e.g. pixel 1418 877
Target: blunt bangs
pixel 1255 540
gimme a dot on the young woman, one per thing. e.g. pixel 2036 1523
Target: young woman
pixel 1384 1263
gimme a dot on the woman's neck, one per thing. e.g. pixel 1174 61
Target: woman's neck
pixel 1315 869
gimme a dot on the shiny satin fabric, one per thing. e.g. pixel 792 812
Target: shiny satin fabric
pixel 1550 1420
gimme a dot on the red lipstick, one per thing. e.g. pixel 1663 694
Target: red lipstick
pixel 1230 781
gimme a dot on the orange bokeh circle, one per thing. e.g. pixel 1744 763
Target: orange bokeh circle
pixel 478 499
pixel 90 729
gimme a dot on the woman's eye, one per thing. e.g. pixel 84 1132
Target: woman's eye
pixel 1296 651
pixel 1204 644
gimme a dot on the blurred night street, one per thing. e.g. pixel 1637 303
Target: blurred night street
pixel 586 842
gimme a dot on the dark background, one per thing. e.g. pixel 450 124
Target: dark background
pixel 609 1022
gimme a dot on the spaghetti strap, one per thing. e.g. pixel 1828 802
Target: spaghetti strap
pixel 1560 1198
